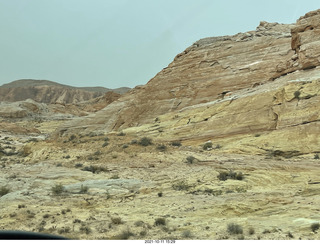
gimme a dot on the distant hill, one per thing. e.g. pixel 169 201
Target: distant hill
pixel 46 91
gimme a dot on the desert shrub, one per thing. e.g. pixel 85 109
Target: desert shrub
pixel 85 229
pixel 105 144
pixel 161 148
pixel 78 165
pixel 116 221
pixel 160 221
pixel 106 139
pixel 145 141
pixel 124 235
pixel 83 189
pixel 230 175
pixel 121 134
pixel 95 169
pixel 315 226
pixel 186 234
pixel 124 146
pixel 4 190
pixel 316 156
pixel 46 216
pixel 58 189
pixel 143 233
pixel 290 235
pixel 234 229
pixel 72 137
pixel 180 186
pixel 251 231
pixel 134 141
pixel 160 194
pixel 176 144
pixel 191 160
pixel 64 230
pixel 207 145
pixel 297 94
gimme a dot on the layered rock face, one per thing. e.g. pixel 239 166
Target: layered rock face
pixel 226 88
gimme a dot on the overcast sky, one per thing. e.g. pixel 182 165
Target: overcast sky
pixel 115 43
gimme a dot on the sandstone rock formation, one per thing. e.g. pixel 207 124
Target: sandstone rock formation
pixel 260 82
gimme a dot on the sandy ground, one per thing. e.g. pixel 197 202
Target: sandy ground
pixel 139 192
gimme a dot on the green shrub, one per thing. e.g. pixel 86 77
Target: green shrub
pixel 145 141
pixel 186 234
pixel 160 221
pixel 176 144
pixel 4 190
pixel 234 229
pixel 124 235
pixel 116 221
pixel 230 175
pixel 180 186
pixel 251 231
pixel 162 148
pixel 297 94
pixel 85 229
pixel 106 143
pixel 315 226
pixel 58 189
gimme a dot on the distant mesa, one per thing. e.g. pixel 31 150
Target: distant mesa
pixel 45 91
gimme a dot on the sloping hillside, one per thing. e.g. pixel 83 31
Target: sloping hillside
pixel 44 91
pixel 260 82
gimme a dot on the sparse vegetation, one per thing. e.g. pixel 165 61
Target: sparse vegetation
pixel 315 226
pixel 106 143
pixel 251 231
pixel 145 141
pixel 234 229
pixel 78 165
pixel 116 221
pixel 297 94
pixel 124 235
pixel 46 216
pixel 181 186
pixel 176 144
pixel 162 148
pixel 223 176
pixel 85 229
pixel 160 221
pixel 316 156
pixel 139 223
pixel 186 234
pixel 160 194
pixel 121 134
pixel 4 190
pixel 95 169
pixel 58 189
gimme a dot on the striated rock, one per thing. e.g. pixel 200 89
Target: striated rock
pixel 204 72
pixel 227 89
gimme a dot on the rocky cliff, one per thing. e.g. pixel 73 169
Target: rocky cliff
pixel 44 91
pixel 263 82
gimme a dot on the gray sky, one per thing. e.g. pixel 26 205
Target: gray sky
pixel 114 43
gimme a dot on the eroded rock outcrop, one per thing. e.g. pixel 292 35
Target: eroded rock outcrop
pixel 226 88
